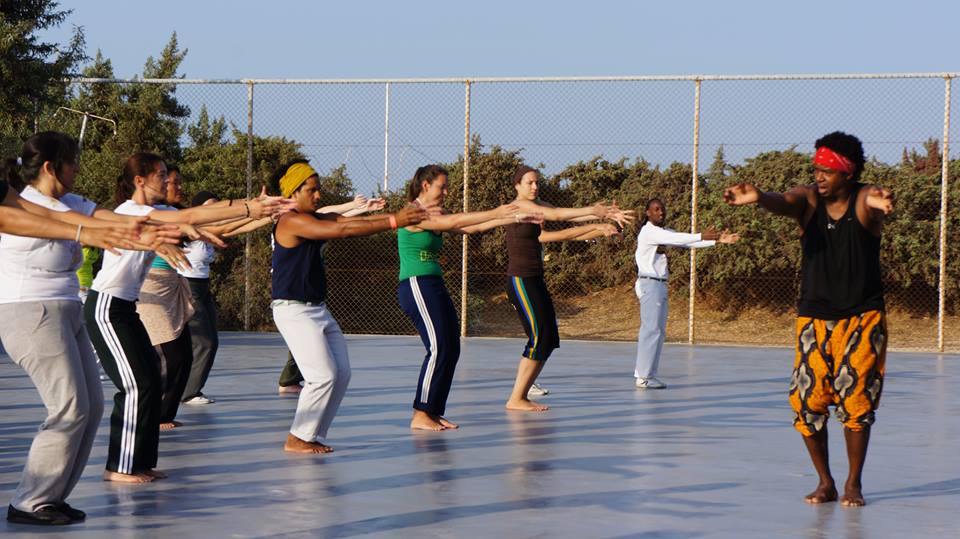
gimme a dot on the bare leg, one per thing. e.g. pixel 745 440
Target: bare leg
pixel 826 490
pixel 857 442
pixel 424 421
pixel 296 445
pixel 527 372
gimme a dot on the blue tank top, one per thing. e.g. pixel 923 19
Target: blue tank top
pixel 299 273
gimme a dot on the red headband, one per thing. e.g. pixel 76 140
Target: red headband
pixel 831 159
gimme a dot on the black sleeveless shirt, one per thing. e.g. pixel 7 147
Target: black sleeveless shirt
pixel 524 252
pixel 840 271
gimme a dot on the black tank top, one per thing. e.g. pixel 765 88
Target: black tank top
pixel 524 252
pixel 840 272
pixel 299 273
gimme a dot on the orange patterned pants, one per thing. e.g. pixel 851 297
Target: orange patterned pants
pixel 839 363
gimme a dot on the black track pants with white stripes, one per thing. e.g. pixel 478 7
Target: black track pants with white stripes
pixel 131 363
pixel 428 305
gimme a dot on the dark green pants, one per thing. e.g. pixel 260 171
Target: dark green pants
pixel 290 375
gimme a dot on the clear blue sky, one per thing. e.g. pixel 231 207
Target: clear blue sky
pixel 310 39
pixel 553 125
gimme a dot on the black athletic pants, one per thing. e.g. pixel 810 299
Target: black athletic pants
pixel 127 357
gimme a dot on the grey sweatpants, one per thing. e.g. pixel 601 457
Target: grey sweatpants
pixel 320 350
pixel 48 340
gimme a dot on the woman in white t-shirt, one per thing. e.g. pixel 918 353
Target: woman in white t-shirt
pixel 43 329
pixel 120 339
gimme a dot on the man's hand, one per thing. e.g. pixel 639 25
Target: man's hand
pixel 410 215
pixel 880 199
pixel 728 237
pixel 741 194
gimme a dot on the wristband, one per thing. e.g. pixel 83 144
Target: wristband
pixel 79 229
pixel 393 221
pixel 230 203
pixel 247 206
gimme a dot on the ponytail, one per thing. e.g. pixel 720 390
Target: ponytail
pixel 47 146
pixel 139 164
pixel 428 174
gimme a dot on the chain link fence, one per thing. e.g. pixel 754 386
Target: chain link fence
pixel 682 139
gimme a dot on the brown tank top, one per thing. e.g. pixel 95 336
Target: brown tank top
pixel 524 252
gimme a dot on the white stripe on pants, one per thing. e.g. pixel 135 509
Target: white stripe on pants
pixel 47 339
pixel 431 336
pixel 320 350
pixel 653 326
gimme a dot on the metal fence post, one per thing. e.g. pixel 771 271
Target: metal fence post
pixel 247 246
pixel 944 196
pixel 693 210
pixel 464 270
pixel 386 137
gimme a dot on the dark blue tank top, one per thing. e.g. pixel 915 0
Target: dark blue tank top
pixel 299 273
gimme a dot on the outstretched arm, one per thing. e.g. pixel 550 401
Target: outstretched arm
pixel 793 203
pixel 297 225
pixel 551 213
pixel 534 218
pixel 458 222
pixel 579 233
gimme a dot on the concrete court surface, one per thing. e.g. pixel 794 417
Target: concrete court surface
pixel 712 456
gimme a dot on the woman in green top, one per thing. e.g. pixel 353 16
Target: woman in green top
pixel 423 295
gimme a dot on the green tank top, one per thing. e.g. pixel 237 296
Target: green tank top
pixel 419 253
pixel 85 273
pixel 160 263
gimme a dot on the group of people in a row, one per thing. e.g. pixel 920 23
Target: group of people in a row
pixel 140 315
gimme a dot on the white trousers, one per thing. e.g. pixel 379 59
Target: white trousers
pixel 320 350
pixel 653 326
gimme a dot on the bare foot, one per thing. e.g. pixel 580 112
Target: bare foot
pixel 446 422
pixel 824 493
pixel 290 390
pixel 154 473
pixel 852 496
pixel 296 445
pixel 423 421
pixel 170 425
pixel 118 477
pixel 526 405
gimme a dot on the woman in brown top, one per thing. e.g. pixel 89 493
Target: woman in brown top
pixel 525 285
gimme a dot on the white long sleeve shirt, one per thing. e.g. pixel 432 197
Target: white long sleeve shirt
pixel 650 263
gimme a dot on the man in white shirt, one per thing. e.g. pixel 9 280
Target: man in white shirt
pixel 651 285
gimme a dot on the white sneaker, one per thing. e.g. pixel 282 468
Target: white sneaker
pixel 200 399
pixel 536 390
pixel 650 383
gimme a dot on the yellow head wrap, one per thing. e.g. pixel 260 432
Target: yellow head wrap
pixel 294 178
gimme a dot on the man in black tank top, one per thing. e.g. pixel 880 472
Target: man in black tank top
pixel 841 326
